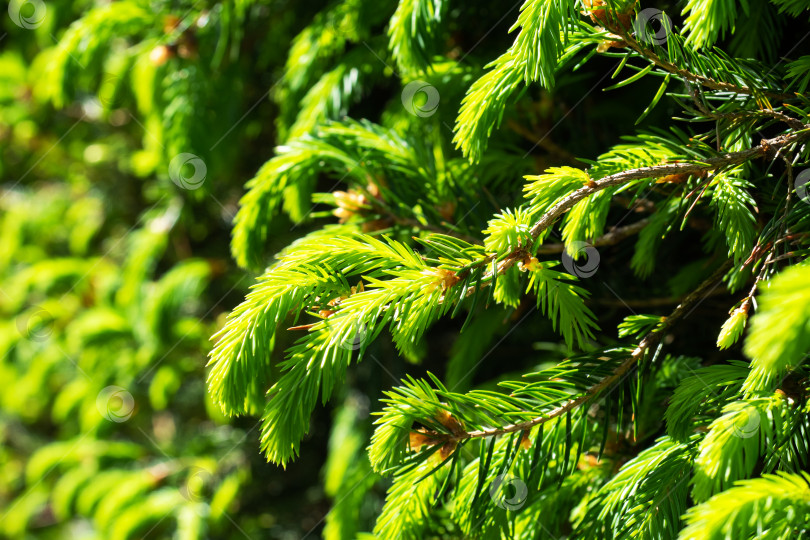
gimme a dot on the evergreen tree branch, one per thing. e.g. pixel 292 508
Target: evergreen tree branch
pixel 794 123
pixel 687 75
pixel 649 342
pixel 709 164
pixel 778 340
pixel 680 169
pixel 772 506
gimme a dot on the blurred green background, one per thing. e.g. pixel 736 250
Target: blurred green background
pixel 113 277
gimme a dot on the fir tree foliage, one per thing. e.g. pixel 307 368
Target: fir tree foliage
pixel 402 259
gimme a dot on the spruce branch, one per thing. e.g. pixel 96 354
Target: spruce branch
pixel 677 169
pixel 771 506
pixel 649 342
pixel 794 123
pixel 777 340
pixel 687 75
pixel 709 164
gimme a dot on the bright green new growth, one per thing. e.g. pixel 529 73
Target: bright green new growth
pixel 780 336
pixel 772 506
